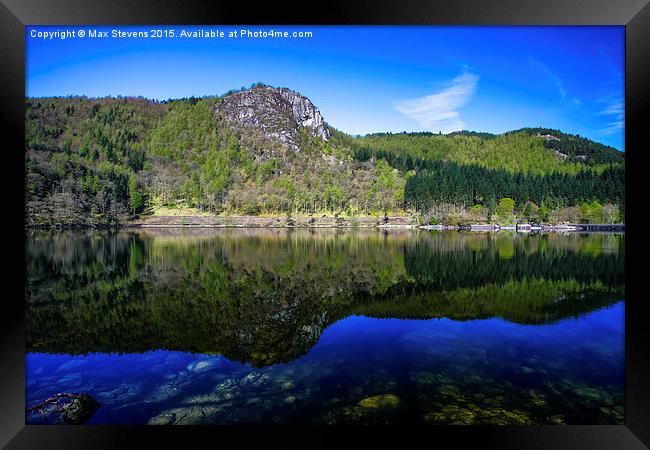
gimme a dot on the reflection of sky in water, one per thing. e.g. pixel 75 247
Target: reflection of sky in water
pixel 354 358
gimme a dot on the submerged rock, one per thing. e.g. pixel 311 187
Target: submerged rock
pixel 164 391
pixel 430 379
pixel 377 409
pixel 227 390
pixel 253 379
pixel 450 392
pixel 70 408
pixel 192 415
pixel 383 402
pixel 473 379
pixel 165 418
pixel 500 416
pixel 536 398
pixel 526 370
pixel 204 365
pixel 287 385
pixel 451 415
pixel 81 409
pixel 592 397
pixel 615 415
pixel 474 415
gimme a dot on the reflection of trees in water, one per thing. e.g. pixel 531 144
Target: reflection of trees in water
pixel 490 258
pixel 527 301
pixel 266 295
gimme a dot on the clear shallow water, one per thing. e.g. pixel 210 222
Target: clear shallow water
pixel 271 326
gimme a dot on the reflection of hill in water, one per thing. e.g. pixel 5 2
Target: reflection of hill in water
pixel 266 296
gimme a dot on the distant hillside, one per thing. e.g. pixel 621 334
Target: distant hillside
pixel 573 148
pixel 268 150
pixel 529 150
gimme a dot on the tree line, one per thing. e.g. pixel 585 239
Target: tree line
pixel 484 189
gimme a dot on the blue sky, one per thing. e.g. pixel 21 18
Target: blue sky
pixel 366 79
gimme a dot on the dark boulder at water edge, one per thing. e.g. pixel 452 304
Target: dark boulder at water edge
pixel 70 408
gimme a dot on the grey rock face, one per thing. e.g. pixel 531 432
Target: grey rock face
pixel 274 113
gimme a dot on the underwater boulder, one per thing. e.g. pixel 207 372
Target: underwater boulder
pixel 380 409
pixel 81 409
pixel 70 408
pixel 203 365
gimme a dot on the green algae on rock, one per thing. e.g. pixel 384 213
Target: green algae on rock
pixel 374 410
pixel 474 415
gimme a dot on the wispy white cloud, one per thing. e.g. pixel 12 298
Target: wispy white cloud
pixel 440 111
pixel 556 80
pixel 560 88
pixel 614 107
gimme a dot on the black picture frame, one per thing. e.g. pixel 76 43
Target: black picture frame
pixel 15 14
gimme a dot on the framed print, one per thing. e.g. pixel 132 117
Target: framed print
pixel 254 226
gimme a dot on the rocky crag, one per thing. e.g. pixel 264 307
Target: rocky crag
pixel 277 114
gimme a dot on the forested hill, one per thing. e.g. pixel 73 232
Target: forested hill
pixel 268 150
pixel 529 150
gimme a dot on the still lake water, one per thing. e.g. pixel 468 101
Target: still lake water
pixel 327 326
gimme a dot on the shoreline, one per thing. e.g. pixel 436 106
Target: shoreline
pixel 304 222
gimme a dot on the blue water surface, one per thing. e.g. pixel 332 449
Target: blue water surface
pixel 566 364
